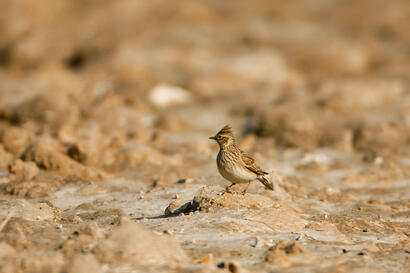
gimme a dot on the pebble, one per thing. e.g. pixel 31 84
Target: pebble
pixel 185 180
pixel 176 207
pixel 221 265
pixel 169 231
pixel 233 267
pixel 300 237
pixel 378 161
pixel 164 95
pixel 207 259
pixel 255 244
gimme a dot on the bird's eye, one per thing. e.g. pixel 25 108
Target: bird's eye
pixel 219 137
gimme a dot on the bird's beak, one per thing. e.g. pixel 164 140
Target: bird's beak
pixel 212 137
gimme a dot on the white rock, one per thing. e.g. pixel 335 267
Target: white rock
pixel 164 95
pixel 378 160
pixel 320 159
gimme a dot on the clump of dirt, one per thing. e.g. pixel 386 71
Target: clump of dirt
pixel 82 264
pixel 50 158
pixel 23 170
pixel 131 243
pixel 287 253
pixel 16 140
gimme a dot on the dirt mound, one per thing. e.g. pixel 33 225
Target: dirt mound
pixel 51 159
pixel 30 210
pixel 23 170
pixel 83 264
pixel 213 197
pixel 134 244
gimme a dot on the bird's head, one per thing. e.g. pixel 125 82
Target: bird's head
pixel 224 137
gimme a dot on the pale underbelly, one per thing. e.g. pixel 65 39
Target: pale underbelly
pixel 237 175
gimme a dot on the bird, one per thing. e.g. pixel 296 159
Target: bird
pixel 234 165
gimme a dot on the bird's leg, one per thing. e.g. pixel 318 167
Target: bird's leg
pixel 247 187
pixel 228 189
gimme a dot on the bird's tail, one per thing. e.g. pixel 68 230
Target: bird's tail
pixel 266 182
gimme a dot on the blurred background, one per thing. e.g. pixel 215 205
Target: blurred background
pixel 95 79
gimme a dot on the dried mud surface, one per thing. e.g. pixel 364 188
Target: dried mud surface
pixel 105 112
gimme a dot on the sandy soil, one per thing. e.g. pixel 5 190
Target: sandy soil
pixel 105 112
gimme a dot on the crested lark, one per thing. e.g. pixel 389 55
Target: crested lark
pixel 234 165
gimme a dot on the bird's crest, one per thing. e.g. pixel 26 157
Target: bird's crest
pixel 227 130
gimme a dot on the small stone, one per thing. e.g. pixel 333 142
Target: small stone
pixel 365 230
pixel 177 207
pixel 378 161
pixel 77 219
pixel 361 253
pixel 164 95
pixel 256 243
pixel 207 259
pixel 59 226
pixel 169 231
pixel 189 180
pixel 221 265
pixel 185 180
pixel 233 267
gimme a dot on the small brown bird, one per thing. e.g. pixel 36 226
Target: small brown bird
pixel 234 165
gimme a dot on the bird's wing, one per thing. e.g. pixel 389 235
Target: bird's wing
pixel 250 165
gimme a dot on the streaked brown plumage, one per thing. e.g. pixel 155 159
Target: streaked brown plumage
pixel 234 165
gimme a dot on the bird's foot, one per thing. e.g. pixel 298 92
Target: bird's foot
pixel 228 190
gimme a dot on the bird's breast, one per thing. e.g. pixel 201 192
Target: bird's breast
pixel 232 169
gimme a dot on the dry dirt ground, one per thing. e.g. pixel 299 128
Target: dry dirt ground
pixel 105 112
